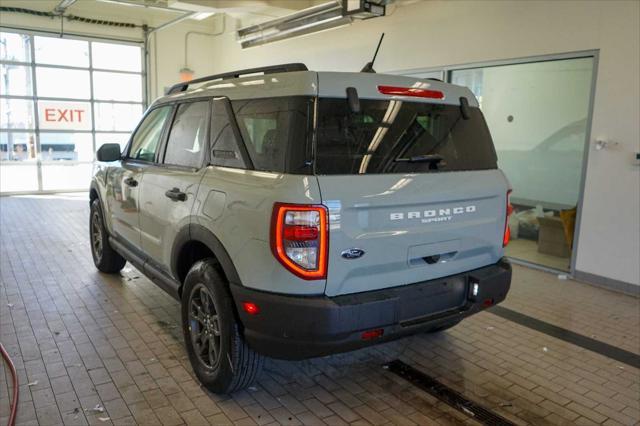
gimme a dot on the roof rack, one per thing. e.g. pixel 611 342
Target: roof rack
pixel 271 69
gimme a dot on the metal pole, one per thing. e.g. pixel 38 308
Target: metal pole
pixel 92 97
pixel 146 60
pixel 35 111
pixel 173 22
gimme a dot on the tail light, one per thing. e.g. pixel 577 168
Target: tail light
pixel 507 232
pixel 411 91
pixel 299 239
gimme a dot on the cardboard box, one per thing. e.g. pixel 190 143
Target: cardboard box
pixel 551 239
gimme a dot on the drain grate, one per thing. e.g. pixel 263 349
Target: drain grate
pixel 446 394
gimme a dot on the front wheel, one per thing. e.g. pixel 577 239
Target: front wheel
pixel 220 357
pixel 105 257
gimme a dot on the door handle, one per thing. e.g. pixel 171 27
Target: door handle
pixel 131 181
pixel 176 195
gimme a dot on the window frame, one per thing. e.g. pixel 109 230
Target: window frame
pixel 233 122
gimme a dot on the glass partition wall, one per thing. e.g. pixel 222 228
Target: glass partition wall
pixel 60 100
pixel 538 112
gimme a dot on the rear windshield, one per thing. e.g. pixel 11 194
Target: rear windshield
pixel 399 137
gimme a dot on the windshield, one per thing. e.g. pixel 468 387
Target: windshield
pixel 400 137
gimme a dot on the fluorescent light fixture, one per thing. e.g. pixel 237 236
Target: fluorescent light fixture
pixel 304 22
pixel 314 28
pixel 142 5
pixel 202 15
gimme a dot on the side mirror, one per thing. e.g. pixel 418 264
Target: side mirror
pixel 109 152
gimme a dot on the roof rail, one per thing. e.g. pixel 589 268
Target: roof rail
pixel 271 69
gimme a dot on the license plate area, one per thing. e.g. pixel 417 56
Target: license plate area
pixel 432 298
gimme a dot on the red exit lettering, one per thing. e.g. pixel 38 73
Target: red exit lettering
pixel 66 115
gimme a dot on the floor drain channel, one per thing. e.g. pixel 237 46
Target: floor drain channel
pixel 446 394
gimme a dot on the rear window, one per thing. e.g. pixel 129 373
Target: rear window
pixel 400 137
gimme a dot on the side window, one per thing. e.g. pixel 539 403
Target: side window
pixel 275 132
pixel 224 146
pixel 187 136
pixel 147 138
pixel 264 135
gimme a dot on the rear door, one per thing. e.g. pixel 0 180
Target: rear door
pixel 413 192
pixel 170 186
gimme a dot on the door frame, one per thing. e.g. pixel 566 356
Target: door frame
pixel 595 55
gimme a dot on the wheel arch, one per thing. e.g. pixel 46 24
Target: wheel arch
pixel 195 242
pixel 93 193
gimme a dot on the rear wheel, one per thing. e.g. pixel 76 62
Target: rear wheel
pixel 105 257
pixel 220 357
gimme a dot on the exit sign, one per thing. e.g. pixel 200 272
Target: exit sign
pixel 58 115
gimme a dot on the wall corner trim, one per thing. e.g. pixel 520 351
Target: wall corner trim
pixel 608 283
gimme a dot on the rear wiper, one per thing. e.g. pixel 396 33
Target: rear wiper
pixel 432 158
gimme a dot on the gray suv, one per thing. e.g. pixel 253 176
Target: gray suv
pixel 297 214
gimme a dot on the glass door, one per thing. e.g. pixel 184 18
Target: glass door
pixel 538 114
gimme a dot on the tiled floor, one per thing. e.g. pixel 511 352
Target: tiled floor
pixel 81 339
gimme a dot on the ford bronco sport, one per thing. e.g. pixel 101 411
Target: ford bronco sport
pixel 297 214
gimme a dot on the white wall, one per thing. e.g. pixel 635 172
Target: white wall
pixel 168 57
pixel 439 33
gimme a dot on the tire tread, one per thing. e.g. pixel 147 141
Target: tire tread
pixel 111 261
pixel 246 364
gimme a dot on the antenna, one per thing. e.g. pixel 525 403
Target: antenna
pixel 369 66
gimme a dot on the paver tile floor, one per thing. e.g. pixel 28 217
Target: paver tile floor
pixel 104 349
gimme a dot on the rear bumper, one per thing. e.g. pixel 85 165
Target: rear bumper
pixel 294 327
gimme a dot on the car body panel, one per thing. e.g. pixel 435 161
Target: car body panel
pixel 161 218
pixel 236 205
pixel 123 200
pixel 398 221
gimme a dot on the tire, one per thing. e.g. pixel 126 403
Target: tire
pixel 444 327
pixel 104 256
pixel 219 355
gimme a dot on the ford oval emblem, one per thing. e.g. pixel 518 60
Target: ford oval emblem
pixel 352 253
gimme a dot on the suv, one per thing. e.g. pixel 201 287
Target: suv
pixel 297 214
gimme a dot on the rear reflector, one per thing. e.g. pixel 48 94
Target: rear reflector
pixel 250 308
pixel 372 334
pixel 300 233
pixel 507 231
pixel 411 91
pixel 299 239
